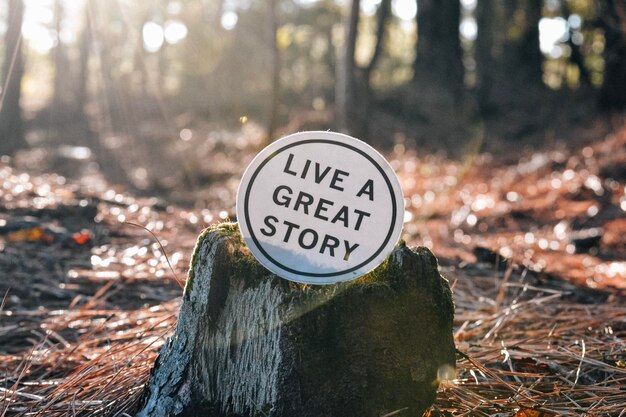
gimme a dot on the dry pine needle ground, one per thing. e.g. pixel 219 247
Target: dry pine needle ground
pixel 81 324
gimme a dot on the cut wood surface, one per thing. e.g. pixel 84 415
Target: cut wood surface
pixel 249 343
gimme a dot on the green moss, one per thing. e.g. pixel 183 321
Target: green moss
pixel 245 266
pixel 382 273
pixel 226 229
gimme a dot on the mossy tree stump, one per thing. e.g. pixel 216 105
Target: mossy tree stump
pixel 249 343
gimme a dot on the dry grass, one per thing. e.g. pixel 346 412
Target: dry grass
pixel 521 346
pixel 81 327
pixel 101 373
pixel 528 347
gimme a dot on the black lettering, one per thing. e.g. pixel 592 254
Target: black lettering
pixel 337 178
pixel 307 164
pixel 290 227
pixel 288 165
pixel 368 188
pixel 326 243
pixel 301 239
pixel 361 214
pixel 320 176
pixel 272 228
pixel 349 249
pixel 320 208
pixel 342 215
pixel 285 201
pixel 300 201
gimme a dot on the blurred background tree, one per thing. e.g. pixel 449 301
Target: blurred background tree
pixel 135 82
pixel 11 126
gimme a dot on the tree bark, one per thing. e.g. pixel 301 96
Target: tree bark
pixel 384 10
pixel 521 64
pixel 576 57
pixel 485 62
pixel 248 343
pixel 612 93
pixel 530 56
pixel 61 67
pixel 112 94
pixel 438 47
pixel 11 124
pixel 508 58
pixel 344 93
pixel 275 71
pixel 383 14
pixel 83 63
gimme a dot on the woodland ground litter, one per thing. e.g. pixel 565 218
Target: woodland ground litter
pixel 535 251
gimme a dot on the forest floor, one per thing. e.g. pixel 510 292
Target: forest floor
pixel 535 251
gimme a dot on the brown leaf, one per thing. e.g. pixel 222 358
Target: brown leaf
pixel 530 412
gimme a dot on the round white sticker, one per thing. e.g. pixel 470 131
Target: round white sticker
pixel 320 207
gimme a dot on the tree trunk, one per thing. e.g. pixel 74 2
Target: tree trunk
pixel 275 72
pixel 248 343
pixel 83 63
pixel 11 124
pixel 384 10
pixel 522 61
pixel 344 93
pixel 485 62
pixel 508 58
pixel 112 94
pixel 613 91
pixel 438 47
pixel 576 57
pixel 530 56
pixel 383 14
pixel 61 67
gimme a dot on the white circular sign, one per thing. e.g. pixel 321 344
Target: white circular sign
pixel 320 207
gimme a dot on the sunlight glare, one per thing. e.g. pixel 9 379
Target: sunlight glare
pixel 469 28
pixel 153 36
pixel 229 20
pixel 552 30
pixel 175 31
pixel 404 9
pixel 574 21
pixel 67 35
pixel 306 3
pixel 369 7
pixel 186 135
pixel 38 17
pixel 469 4
pixel 38 26
pixel 38 38
pixel 174 7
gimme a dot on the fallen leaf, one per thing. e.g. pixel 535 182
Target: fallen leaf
pixel 81 238
pixel 32 234
pixel 530 412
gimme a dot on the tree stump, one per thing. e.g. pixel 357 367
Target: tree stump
pixel 249 343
